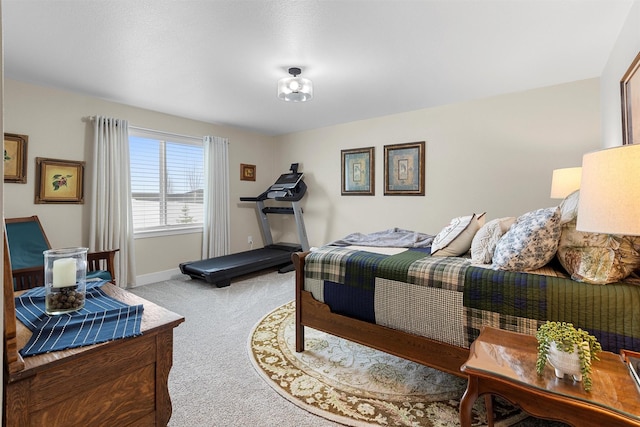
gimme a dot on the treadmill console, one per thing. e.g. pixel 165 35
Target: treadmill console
pixel 285 186
pixel 287 180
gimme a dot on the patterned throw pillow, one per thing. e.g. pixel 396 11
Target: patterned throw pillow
pixel 484 242
pixel 597 258
pixel 530 243
pixel 455 239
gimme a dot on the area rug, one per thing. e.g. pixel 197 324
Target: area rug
pixel 358 386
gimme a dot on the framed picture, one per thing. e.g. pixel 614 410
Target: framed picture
pixel 59 181
pixel 404 169
pixel 15 158
pixel 630 97
pixel 358 172
pixel 247 172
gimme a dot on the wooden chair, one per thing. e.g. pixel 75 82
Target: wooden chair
pixel 27 241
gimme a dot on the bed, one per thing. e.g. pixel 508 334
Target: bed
pixel 429 309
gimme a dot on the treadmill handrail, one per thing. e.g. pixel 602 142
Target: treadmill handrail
pixel 261 197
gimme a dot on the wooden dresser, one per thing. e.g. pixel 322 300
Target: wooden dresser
pixel 118 383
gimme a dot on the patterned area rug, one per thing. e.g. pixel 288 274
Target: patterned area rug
pixel 358 386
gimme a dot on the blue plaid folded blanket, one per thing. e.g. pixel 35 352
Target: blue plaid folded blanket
pixel 102 319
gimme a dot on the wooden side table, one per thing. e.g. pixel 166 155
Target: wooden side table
pixel 504 363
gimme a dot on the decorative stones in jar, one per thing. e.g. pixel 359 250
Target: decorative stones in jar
pixel 65 279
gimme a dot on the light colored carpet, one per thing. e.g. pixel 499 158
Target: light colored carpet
pixel 357 385
pixel 212 382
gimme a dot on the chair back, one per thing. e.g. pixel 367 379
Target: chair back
pixel 13 361
pixel 27 242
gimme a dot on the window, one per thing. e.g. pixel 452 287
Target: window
pixel 167 181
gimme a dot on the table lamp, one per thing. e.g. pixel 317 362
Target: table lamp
pixel 565 181
pixel 610 191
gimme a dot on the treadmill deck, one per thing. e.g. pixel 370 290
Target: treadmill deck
pixel 220 270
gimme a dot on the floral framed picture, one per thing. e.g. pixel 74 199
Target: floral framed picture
pixel 15 158
pixel 59 181
pixel 247 172
pixel 358 172
pixel 404 166
pixel 630 97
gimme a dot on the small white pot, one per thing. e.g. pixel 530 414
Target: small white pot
pixel 566 363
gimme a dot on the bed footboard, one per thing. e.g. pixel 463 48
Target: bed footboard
pixel 298 263
pixel 317 315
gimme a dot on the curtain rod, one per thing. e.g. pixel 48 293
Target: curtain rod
pixel 93 118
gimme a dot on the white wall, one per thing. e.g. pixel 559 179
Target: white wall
pixel 625 50
pixel 495 155
pixel 53 120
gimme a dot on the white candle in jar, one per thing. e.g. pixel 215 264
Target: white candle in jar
pixel 64 272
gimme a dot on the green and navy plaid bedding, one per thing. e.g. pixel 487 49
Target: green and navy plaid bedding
pixel 450 300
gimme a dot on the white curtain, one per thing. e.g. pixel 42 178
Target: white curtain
pixel 111 225
pixel 216 229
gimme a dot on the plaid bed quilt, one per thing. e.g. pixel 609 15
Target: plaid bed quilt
pixel 449 299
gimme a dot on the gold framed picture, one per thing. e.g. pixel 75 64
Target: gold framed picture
pixel 247 172
pixel 358 172
pixel 15 158
pixel 630 97
pixel 59 181
pixel 404 169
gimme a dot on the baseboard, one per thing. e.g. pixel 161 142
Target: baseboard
pixel 158 276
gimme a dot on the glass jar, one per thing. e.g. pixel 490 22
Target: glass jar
pixel 65 279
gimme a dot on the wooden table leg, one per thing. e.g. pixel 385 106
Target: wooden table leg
pixel 488 404
pixel 467 401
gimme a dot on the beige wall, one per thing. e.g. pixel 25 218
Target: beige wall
pixel 53 120
pixel 625 50
pixel 495 155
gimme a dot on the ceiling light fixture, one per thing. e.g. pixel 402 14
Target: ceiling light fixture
pixel 295 89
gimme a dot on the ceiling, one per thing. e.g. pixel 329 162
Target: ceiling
pixel 218 61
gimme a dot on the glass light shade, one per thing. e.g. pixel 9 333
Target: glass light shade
pixel 565 181
pixel 610 191
pixel 295 89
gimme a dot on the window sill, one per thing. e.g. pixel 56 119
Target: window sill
pixel 167 232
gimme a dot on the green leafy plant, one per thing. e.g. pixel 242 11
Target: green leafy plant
pixel 568 339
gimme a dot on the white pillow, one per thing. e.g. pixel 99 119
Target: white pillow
pixel 455 239
pixel 484 242
pixel 569 207
pixel 530 243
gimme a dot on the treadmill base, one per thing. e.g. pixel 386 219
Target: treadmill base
pixel 220 270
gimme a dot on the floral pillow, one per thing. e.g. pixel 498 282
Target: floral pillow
pixel 486 239
pixel 530 243
pixel 455 239
pixel 597 258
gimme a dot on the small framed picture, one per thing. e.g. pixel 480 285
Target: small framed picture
pixel 630 97
pixel 59 181
pixel 404 166
pixel 358 172
pixel 15 158
pixel 247 172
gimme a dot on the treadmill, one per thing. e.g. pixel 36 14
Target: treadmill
pixel 289 188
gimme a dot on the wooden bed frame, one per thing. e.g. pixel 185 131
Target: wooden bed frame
pixel 317 315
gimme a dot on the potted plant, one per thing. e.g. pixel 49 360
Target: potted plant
pixel 568 349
